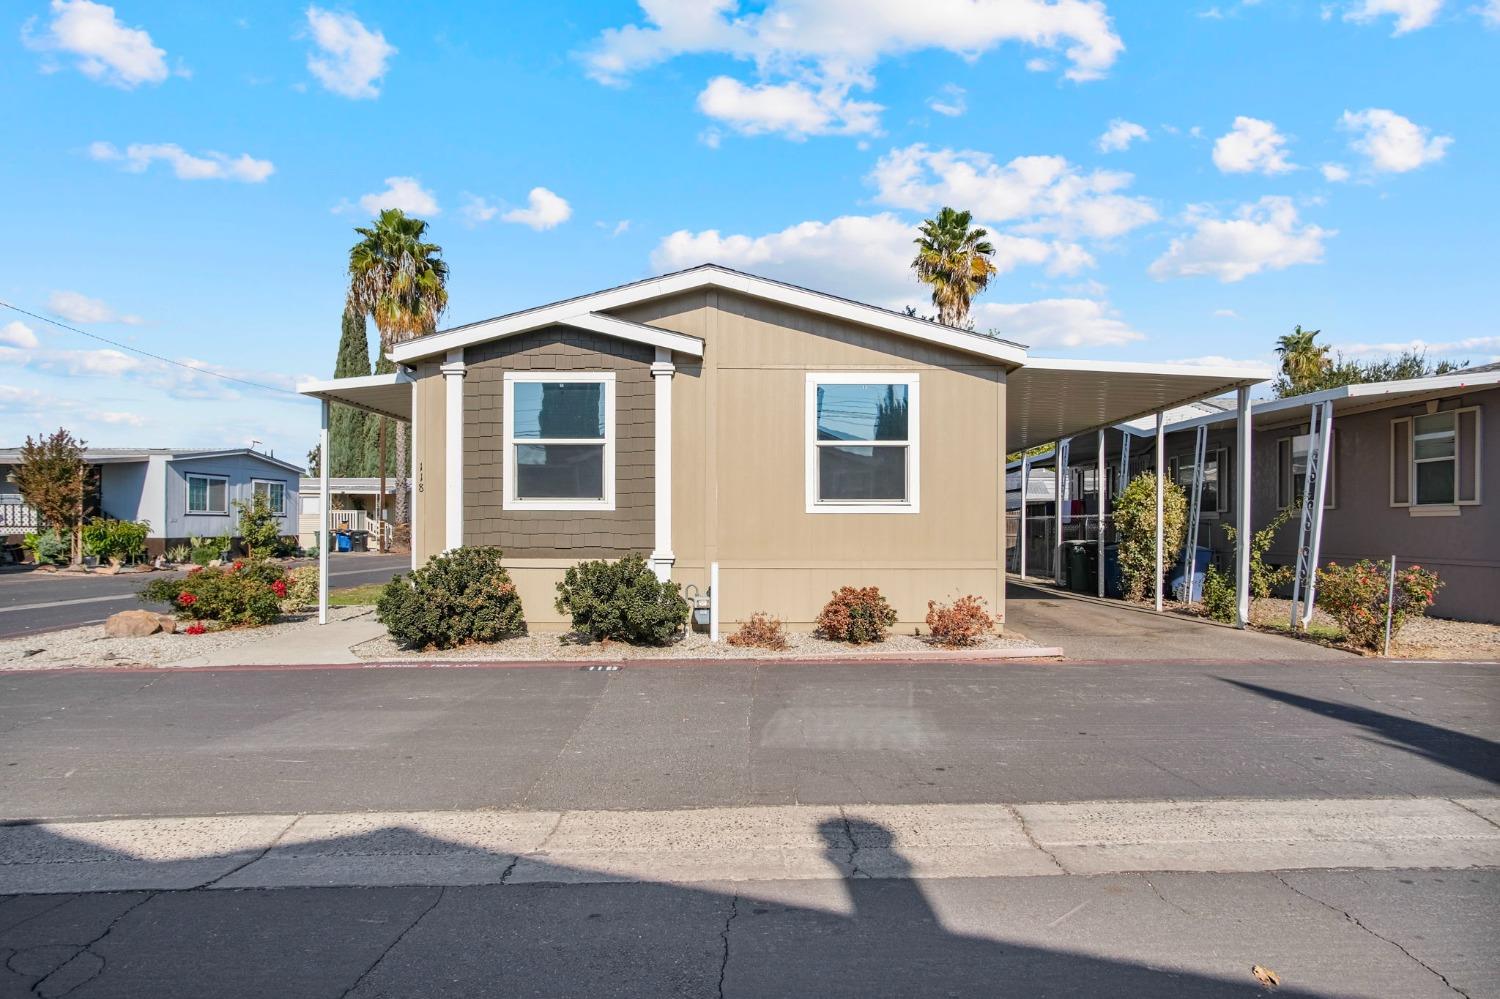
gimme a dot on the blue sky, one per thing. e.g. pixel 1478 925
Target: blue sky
pixel 1163 181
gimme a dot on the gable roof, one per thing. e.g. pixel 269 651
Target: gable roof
pixel 587 312
pixel 126 455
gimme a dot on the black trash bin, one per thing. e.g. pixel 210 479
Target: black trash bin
pixel 359 541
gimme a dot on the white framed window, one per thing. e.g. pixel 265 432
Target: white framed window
pixel 559 439
pixel 207 494
pixel 863 442
pixel 273 491
pixel 1436 460
pixel 1215 465
pixel 1291 471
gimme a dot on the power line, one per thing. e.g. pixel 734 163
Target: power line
pixel 147 353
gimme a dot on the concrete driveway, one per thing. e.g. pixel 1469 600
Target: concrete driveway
pixel 1091 629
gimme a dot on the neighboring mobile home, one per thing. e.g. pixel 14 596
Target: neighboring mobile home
pixel 746 435
pixel 179 492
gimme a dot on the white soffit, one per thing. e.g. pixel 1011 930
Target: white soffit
pixel 1052 398
pixel 384 395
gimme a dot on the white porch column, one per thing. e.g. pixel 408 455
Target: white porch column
pixel 325 514
pixel 1243 433
pixel 414 499
pixel 1099 477
pixel 453 493
pixel 1025 484
pixel 1062 489
pixel 661 374
pixel 1161 461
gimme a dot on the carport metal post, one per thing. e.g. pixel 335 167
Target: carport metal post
pixel 1025 484
pixel 1161 455
pixel 1242 509
pixel 1062 490
pixel 324 515
pixel 1099 477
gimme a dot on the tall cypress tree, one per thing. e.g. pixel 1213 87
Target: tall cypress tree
pixel 347 426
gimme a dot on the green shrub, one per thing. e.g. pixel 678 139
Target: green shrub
pixel 115 540
pixel 1135 523
pixel 855 615
pixel 622 601
pixel 459 597
pixel 180 554
pixel 1356 596
pixel 203 554
pixel 301 588
pixel 242 594
pixel 1218 595
pixel 1264 578
pixel 46 547
pixel 260 528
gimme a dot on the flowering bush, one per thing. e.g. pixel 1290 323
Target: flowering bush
pixel 762 631
pixel 856 615
pixel 196 628
pixel 963 622
pixel 463 596
pixel 301 589
pixel 1356 596
pixel 243 594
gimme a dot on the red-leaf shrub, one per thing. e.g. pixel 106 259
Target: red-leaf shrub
pixel 1356 596
pixel 186 599
pixel 856 616
pixel 762 631
pixel 963 622
pixel 246 596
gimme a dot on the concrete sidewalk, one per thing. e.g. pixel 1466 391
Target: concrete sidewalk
pixel 324 645
pixel 787 843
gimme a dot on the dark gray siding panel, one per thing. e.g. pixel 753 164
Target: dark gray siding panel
pixel 560 534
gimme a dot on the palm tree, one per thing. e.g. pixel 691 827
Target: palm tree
pixel 1304 362
pixel 955 260
pixel 400 281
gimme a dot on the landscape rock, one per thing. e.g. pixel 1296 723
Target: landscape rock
pixel 138 624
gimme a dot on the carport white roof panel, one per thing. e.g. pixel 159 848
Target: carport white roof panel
pixel 1052 398
pixel 384 395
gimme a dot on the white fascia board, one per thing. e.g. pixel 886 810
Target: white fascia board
pixel 622 329
pixel 1236 375
pixel 357 382
pixel 246 452
pixel 693 280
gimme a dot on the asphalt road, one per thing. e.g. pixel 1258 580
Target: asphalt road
pixel 1399 934
pixel 91 743
pixel 36 601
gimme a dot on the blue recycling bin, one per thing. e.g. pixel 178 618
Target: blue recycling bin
pixel 1177 580
pixel 343 542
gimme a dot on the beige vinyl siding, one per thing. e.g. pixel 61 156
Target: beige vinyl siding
pixel 429 463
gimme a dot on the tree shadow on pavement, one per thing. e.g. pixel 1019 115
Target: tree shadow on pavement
pixel 846 936
pixel 1470 754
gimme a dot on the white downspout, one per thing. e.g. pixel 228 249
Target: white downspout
pixel 325 515
pixel 1243 430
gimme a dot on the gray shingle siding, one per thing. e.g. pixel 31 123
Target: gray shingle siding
pixel 569 534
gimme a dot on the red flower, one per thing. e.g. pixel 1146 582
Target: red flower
pixel 279 588
pixel 196 628
pixel 186 599
pixel 238 565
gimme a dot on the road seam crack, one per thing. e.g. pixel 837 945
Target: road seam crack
pixel 734 911
pixel 1384 939
pixel 393 944
pixel 1476 814
pixel 88 948
pixel 275 841
pixel 1031 838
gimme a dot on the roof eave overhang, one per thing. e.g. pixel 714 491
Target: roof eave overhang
pixel 359 392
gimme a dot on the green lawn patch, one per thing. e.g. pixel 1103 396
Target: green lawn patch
pixel 355 596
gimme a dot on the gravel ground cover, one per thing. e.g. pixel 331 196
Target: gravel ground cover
pixel 89 646
pixel 552 645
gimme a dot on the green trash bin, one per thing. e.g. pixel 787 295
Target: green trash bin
pixel 1080 568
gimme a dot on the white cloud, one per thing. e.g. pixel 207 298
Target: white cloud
pixel 1263 235
pixel 38 406
pixel 79 308
pixel 17 334
pixel 104 49
pixel 1468 345
pixel 1226 314
pixel 1056 322
pixel 1042 194
pixel 826 46
pixel 1119 135
pixel 792 109
pixel 405 193
pixel 952 101
pixel 1410 15
pixel 545 210
pixel 476 210
pixel 865 257
pixel 1252 146
pixel 616 229
pixel 1490 12
pixel 351 59
pixel 1256 364
pixel 211 165
pixel 1335 173
pixel 1391 143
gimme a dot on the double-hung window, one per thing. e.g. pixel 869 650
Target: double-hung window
pixel 1214 493
pixel 863 443
pixel 1434 452
pixel 207 494
pixel 1435 460
pixel 1291 474
pixel 274 492
pixel 559 439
